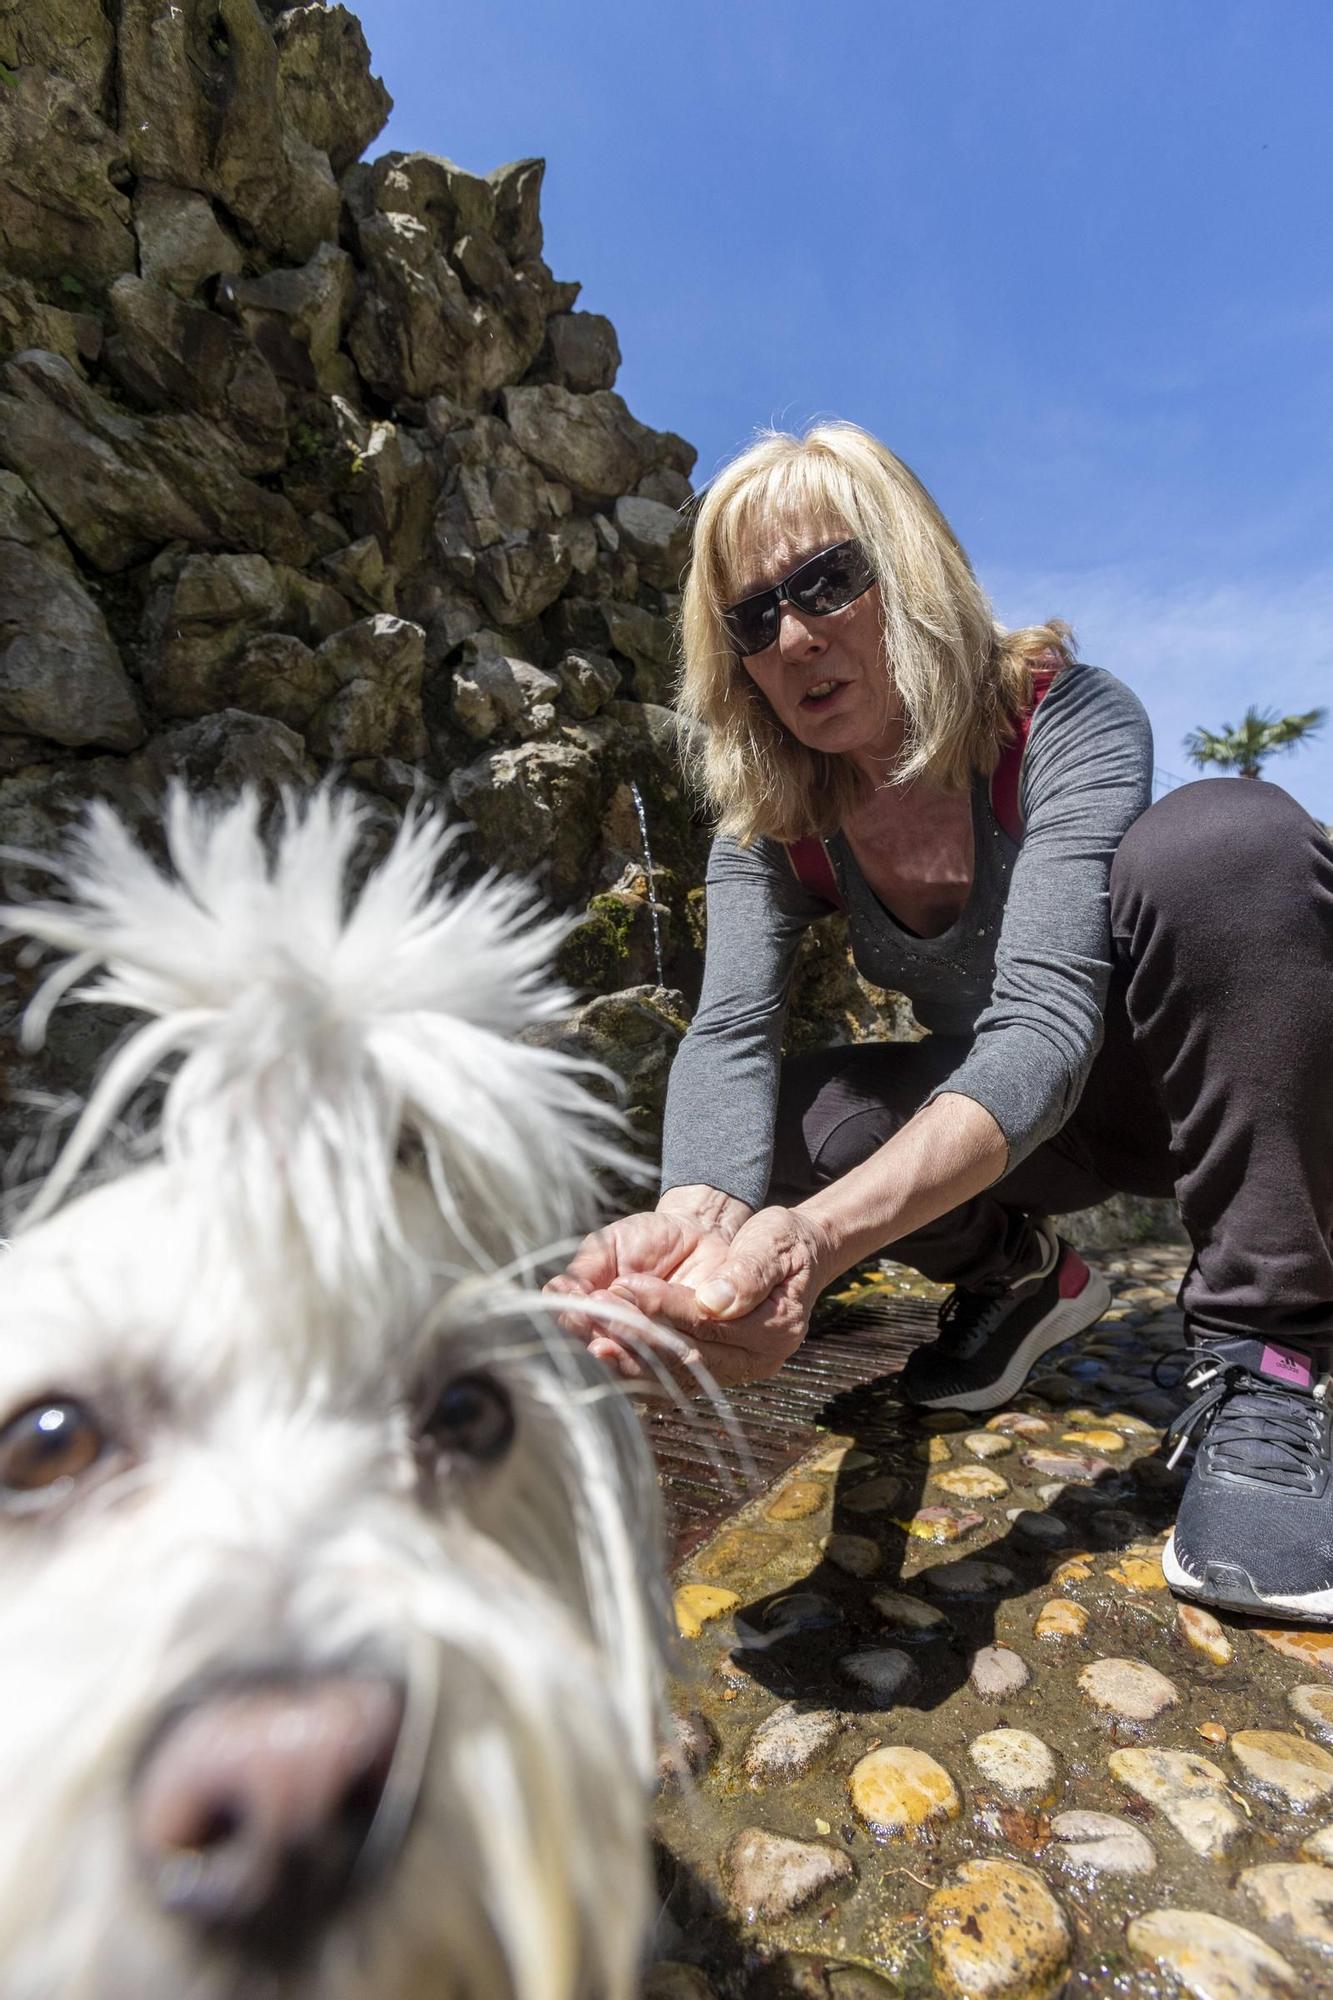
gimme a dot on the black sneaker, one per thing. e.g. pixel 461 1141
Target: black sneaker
pixel 1255 1527
pixel 990 1339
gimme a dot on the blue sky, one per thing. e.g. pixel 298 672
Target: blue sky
pixel 1074 263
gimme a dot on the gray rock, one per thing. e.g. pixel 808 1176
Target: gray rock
pixel 650 643
pixel 516 189
pixel 790 1740
pixel 690 1748
pixel 492 692
pixel 656 536
pixel 28 321
pixel 60 674
pixel 375 710
pixel 883 1672
pixel 392 496
pixel 997 1673
pixel 181 241
pixel 74 38
pixel 325 87
pixel 120 485
pixel 1097 1843
pixel 664 484
pixel 435 191
pixel 1295 1897
pixel 296 317
pixel 1015 1761
pixel 1130 1690
pixel 538 801
pixel 585 354
pixel 588 681
pixel 170 355
pixel 199 107
pixel 771 1876
pixel 633 1033
pixel 360 573
pixel 591 442
pixel 1212 1958
pixel 61 210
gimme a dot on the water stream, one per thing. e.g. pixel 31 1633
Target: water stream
pixel 652 892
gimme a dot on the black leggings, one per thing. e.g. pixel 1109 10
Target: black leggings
pixel 1214 1081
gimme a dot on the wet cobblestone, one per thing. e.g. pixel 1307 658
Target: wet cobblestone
pixel 950 1733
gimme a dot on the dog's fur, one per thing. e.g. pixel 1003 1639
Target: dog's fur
pixel 257 1314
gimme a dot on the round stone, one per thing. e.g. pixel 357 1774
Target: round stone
pixel 1074 1569
pixel 782 1617
pixel 1295 1897
pixel 997 1933
pixel 748 1550
pixel 882 1671
pixel 1128 1689
pixel 1188 1791
pixel 1061 1618
pixel 907 1617
pixel 1312 1649
pixel 1139 1572
pixel 972 1482
pixel 1212 1959
pixel 690 1747
pixel 1314 1705
pixel 898 1791
pixel 798 1499
pixel 1319 1846
pixel 942 1524
pixel 770 1875
pixel 1045 1531
pixel 1199 1629
pixel 697 1604
pixel 854 1555
pixel 875 1496
pixel 974 1578
pixel 1014 1761
pixel 1283 1766
pixel 841 1458
pixel 790 1740
pixel 987 1444
pixel 998 1673
pixel 1106 1442
pixel 1098 1843
pixel 1018 1423
pixel 1072 1467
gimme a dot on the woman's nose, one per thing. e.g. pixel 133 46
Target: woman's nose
pixel 799 637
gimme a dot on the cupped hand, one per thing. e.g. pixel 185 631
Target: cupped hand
pixel 654 1246
pixel 742 1311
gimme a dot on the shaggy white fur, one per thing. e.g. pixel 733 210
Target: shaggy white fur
pixel 277 1412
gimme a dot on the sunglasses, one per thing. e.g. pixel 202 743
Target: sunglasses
pixel 827 582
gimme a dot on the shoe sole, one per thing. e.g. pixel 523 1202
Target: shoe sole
pixel 1230 1588
pixel 1062 1322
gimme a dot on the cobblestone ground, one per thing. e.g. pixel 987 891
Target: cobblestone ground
pixel 943 1730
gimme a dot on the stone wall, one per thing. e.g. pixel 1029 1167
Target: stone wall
pixel 311 463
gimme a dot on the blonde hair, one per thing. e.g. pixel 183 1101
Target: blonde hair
pixel 959 676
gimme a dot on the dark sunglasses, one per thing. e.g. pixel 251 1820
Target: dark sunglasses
pixel 827 582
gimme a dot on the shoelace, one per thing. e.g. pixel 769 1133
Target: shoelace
pixel 967 1315
pixel 1271 1433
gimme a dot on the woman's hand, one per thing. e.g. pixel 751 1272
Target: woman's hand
pixel 742 1310
pixel 678 1249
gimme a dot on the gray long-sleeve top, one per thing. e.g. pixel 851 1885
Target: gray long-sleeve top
pixel 1023 972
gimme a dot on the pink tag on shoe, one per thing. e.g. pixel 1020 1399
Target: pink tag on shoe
pixel 1285 1364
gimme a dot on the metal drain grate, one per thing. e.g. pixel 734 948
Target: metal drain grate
pixel 835 1381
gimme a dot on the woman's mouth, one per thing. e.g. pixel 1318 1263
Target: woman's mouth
pixel 821 694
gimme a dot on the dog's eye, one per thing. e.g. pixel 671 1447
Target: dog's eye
pixel 48 1443
pixel 473 1417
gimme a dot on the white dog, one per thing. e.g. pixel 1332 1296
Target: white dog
pixel 331 1617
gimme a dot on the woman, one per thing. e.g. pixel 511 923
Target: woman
pixel 1120 996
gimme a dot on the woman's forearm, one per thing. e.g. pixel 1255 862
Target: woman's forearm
pixel 946 1154
pixel 708 1205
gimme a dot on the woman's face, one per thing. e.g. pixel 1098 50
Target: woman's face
pixel 823 677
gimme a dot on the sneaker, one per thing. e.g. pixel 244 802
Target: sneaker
pixel 1255 1526
pixel 991 1338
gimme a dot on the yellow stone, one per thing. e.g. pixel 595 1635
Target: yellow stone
pixel 997 1933
pixel 796 1500
pixel 1312 1649
pixel 900 1791
pixel 1211 1732
pixel 854 1555
pixel 1061 1619
pixel 1201 1630
pixel 972 1482
pixel 748 1549
pixel 938 1524
pixel 1212 1958
pixel 1139 1573
pixel 1296 1897
pixel 1106 1442
pixel 1188 1791
pixel 987 1444
pixel 1074 1569
pixel 697 1604
pixel 1279 1763
pixel 938 1452
pixel 841 1458
pixel 1018 1423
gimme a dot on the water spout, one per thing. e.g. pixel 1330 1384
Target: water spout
pixel 648 868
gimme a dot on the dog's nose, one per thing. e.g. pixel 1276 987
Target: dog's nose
pixel 252 1808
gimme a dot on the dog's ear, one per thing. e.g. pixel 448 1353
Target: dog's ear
pixel 319 1028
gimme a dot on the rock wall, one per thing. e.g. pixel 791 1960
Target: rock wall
pixel 310 462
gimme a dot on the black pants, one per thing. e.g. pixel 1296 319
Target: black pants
pixel 1214 1081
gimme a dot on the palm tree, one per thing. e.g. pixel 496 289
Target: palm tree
pixel 1261 732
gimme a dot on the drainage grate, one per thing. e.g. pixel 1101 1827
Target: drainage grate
pixel 835 1381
